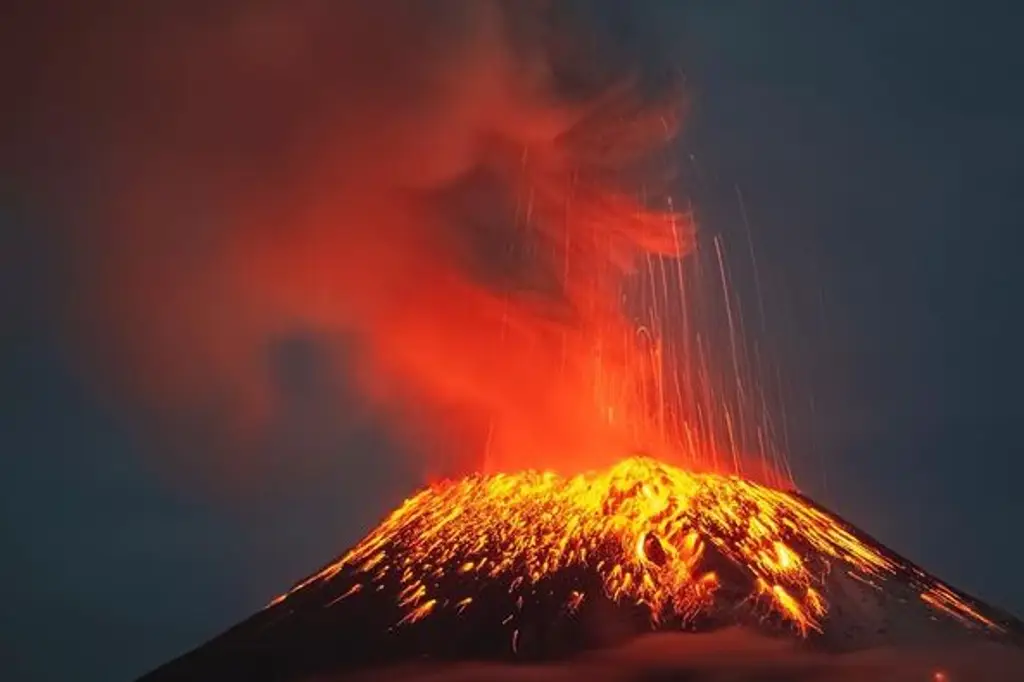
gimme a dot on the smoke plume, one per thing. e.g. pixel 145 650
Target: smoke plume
pixel 436 194
pixel 734 655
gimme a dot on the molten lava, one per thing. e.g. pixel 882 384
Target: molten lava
pixel 657 536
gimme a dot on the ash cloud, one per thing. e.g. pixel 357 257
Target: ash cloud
pixel 733 655
pixel 405 184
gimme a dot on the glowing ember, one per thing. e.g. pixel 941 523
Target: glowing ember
pixel 646 528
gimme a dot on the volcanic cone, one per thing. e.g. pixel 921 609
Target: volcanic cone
pixel 533 565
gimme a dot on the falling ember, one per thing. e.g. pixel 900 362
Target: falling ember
pixel 941 597
pixel 656 536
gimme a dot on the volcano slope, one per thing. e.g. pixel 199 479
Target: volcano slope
pixel 533 566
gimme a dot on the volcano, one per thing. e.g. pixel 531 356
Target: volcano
pixel 534 566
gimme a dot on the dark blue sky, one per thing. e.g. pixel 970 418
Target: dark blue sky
pixel 877 146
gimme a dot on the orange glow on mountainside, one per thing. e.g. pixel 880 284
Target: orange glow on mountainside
pixel 645 527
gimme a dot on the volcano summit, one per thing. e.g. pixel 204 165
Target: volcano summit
pixel 534 566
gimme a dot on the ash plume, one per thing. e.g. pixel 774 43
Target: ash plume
pixel 422 189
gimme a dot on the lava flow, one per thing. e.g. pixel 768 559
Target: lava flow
pixel 657 536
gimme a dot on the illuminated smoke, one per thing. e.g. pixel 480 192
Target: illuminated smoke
pixel 735 655
pixel 422 191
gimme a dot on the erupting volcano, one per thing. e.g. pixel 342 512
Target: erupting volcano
pixel 534 565
pixel 502 264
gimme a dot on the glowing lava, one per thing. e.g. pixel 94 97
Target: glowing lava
pixel 657 536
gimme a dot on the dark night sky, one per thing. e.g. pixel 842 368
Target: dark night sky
pixel 877 146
